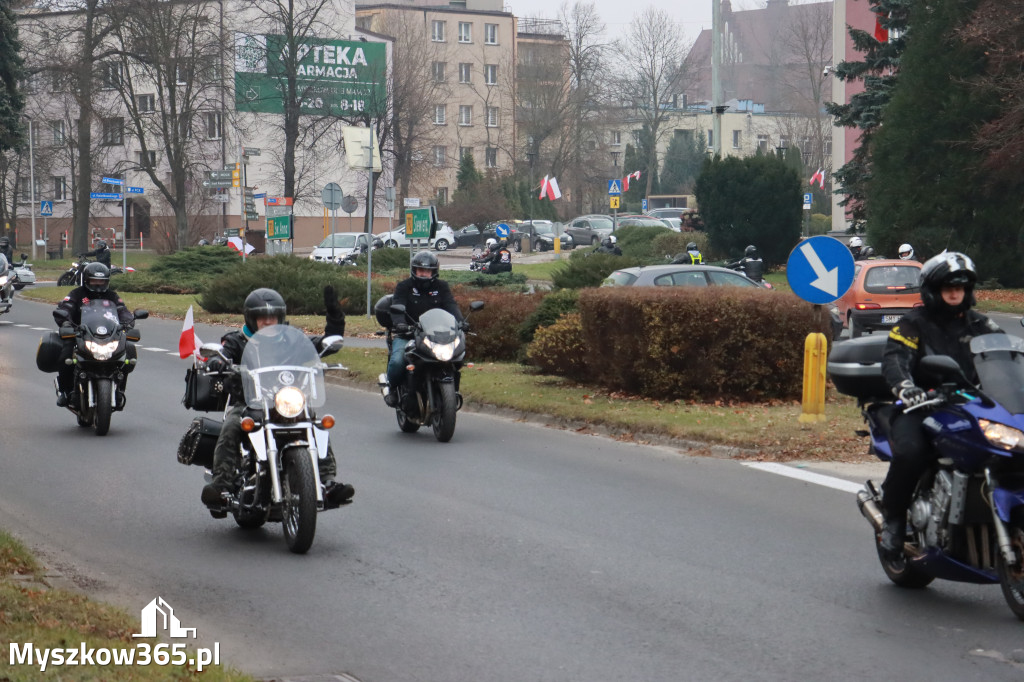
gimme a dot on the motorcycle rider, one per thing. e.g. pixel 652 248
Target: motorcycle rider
pixel 420 292
pixel 500 260
pixel 691 257
pixel 609 245
pixel 95 286
pixel 751 264
pixel 264 308
pixel 944 326
pixel 859 251
pixel 6 251
pixel 906 252
pixel 101 253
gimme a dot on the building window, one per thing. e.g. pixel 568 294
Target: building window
pixel 213 125
pixel 491 74
pixel 439 155
pixel 25 190
pixel 465 114
pixel 492 157
pixel 465 72
pixel 146 159
pixel 59 136
pixel 737 137
pixel 615 158
pixel 762 143
pixel 442 196
pixel 145 103
pixel 616 140
pixel 591 145
pixel 711 138
pixel 185 128
pixel 827 147
pixel 439 69
pixel 110 75
pixel 439 114
pixel 464 152
pixel 113 131
pixel 465 32
pixel 60 188
pixel 490 34
pixel 492 117
pixel 437 31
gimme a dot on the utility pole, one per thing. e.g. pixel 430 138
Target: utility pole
pixel 716 76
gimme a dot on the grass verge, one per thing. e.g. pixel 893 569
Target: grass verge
pixel 52 618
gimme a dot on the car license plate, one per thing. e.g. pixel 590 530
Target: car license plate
pixel 891 319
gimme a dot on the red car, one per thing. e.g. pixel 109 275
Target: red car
pixel 882 292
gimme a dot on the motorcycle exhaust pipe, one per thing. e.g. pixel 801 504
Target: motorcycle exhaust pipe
pixel 869 508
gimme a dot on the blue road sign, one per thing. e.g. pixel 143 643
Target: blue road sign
pixel 502 230
pixel 643 205
pixel 136 190
pixel 112 181
pixel 807 197
pixel 259 195
pixel 45 208
pixel 820 269
pixel 614 188
pixel 105 195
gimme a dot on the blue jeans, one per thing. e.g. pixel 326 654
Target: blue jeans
pixel 396 362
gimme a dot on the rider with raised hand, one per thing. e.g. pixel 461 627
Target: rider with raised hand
pixel 101 253
pixel 95 286
pixel 264 308
pixel 420 292
pixel 944 326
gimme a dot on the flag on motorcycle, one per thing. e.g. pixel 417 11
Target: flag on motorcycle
pixel 549 188
pixel 188 342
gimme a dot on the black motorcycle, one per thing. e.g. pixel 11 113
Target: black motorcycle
pixel 436 352
pixel 104 356
pixel 73 275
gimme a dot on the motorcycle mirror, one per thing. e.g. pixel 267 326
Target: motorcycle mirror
pixel 209 350
pixel 141 314
pixel 943 367
pixel 24 257
pixel 476 305
pixel 398 309
pixel 331 344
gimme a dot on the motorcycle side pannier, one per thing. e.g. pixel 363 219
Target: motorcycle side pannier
pixel 204 392
pixel 382 311
pixel 48 353
pixel 855 367
pixel 197 445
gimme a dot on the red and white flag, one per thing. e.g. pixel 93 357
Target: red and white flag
pixel 881 33
pixel 549 188
pixel 635 175
pixel 818 178
pixel 188 342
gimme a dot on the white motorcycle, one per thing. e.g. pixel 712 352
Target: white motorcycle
pixel 8 283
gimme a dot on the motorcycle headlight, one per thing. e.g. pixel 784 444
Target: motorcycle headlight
pixel 442 351
pixel 1002 436
pixel 102 350
pixel 289 402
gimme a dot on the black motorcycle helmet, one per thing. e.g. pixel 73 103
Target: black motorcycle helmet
pixel 427 260
pixel 96 277
pixel 101 246
pixel 607 242
pixel 947 269
pixel 262 303
pixel 692 246
pixel 750 252
pixel 4 242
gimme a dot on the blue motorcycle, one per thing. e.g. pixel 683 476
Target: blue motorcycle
pixel 966 521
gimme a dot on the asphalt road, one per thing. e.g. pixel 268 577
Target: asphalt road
pixel 512 553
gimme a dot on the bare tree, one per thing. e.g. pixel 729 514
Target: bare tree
pixel 651 71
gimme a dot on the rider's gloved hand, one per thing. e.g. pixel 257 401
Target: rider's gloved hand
pixel 910 394
pixel 402 329
pixel 335 314
pixel 216 365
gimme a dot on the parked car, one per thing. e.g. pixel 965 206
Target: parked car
pixel 668 212
pixel 471 235
pixel 589 230
pixel 541 236
pixel 641 221
pixel 882 292
pixel 443 238
pixel 339 245
pixel 678 276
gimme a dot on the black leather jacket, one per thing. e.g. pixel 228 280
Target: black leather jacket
pixel 101 256
pixel 419 297
pixel 71 307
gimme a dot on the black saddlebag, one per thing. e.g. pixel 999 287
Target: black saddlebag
pixel 855 367
pixel 197 444
pixel 205 392
pixel 382 311
pixel 48 352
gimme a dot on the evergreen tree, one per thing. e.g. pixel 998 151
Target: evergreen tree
pixel 865 109
pixel 468 176
pixel 683 161
pixel 12 100
pixel 753 200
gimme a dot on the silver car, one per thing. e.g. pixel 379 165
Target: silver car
pixel 678 276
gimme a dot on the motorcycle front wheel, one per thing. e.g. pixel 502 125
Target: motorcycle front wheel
pixel 443 418
pixel 103 406
pixel 66 279
pixel 298 492
pixel 1011 578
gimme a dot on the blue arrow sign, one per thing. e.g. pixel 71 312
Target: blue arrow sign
pixel 105 195
pixel 820 269
pixel 45 208
pixel 112 181
pixel 502 230
pixel 614 188
pixel 136 190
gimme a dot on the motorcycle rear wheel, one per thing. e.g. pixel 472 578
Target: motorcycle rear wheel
pixel 298 490
pixel 901 572
pixel 1011 578
pixel 103 406
pixel 443 418
pixel 404 423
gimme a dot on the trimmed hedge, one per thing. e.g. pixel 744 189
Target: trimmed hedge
pixel 494 330
pixel 553 306
pixel 670 343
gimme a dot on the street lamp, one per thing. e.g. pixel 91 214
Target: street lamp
pixel 530 158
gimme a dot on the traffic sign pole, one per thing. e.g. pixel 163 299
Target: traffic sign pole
pixel 124 225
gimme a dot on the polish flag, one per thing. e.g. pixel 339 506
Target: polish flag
pixel 188 342
pixel 635 175
pixel 549 188
pixel 881 33
pixel 818 177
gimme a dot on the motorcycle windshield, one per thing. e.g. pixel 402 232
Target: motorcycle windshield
pixel 438 322
pixel 99 316
pixel 999 361
pixel 278 357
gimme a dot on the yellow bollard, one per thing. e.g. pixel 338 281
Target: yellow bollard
pixel 558 246
pixel 815 357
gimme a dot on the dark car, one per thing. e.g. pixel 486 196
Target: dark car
pixel 589 230
pixel 541 235
pixel 678 276
pixel 641 221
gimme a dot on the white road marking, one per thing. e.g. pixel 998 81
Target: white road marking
pixel 41 329
pixel 806 476
pixel 153 348
pixel 21 325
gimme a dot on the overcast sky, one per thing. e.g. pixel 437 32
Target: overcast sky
pixel 690 15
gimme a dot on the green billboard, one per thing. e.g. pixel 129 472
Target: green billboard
pixel 333 77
